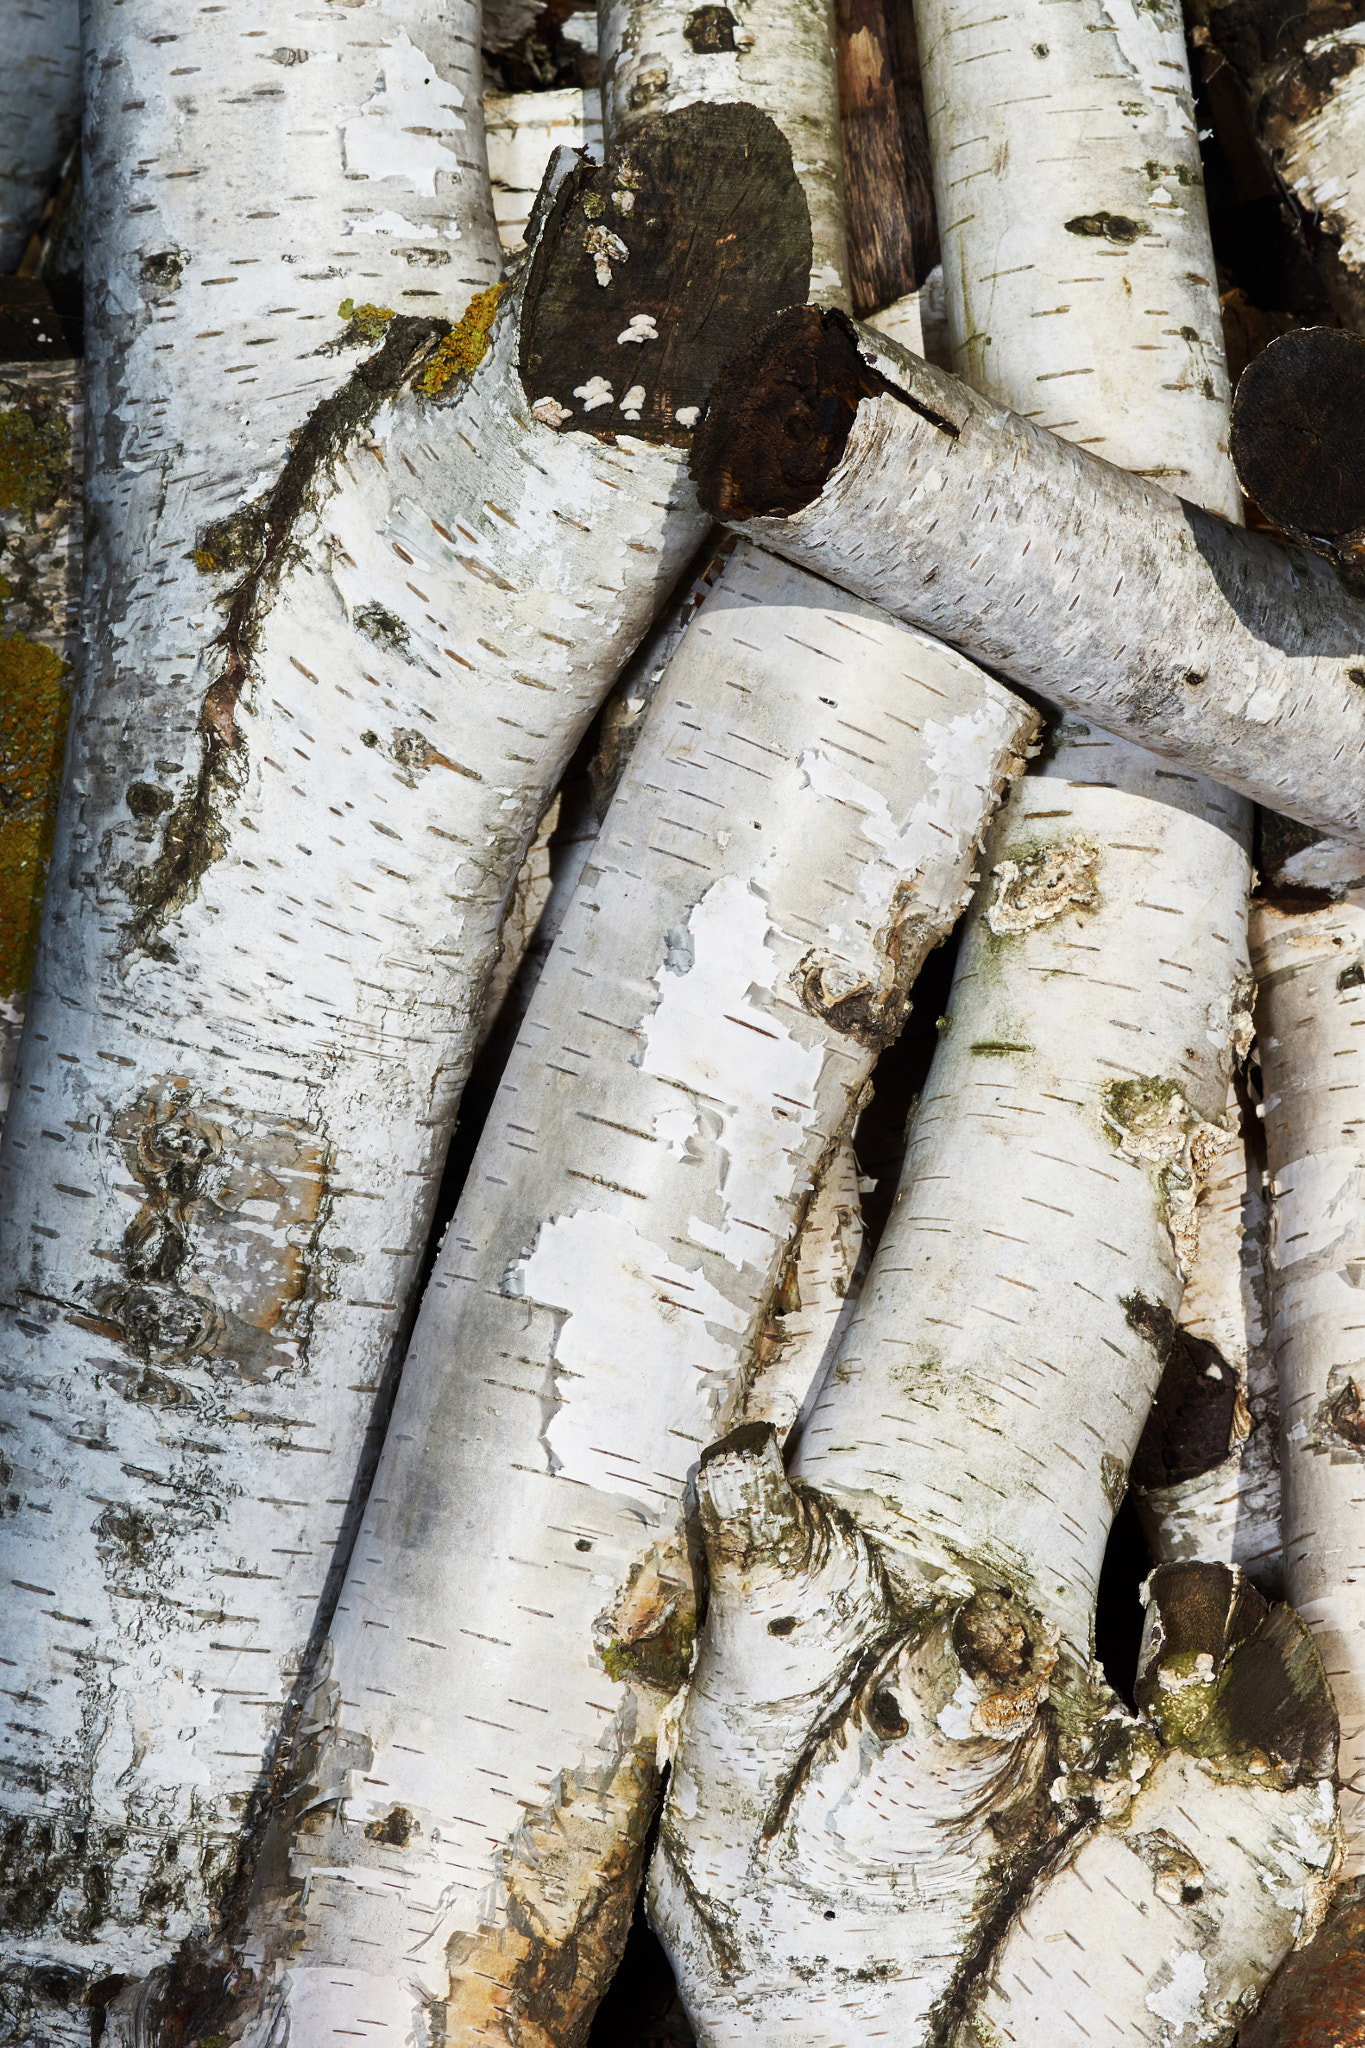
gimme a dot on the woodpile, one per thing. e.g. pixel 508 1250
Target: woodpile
pixel 682 1199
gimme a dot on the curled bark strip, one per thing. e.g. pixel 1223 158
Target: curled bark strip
pixel 1154 618
pixel 593 1316
pixel 951 1794
pixel 310 831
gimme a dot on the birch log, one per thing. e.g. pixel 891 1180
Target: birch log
pixel 777 55
pixel 897 1807
pixel 258 990
pixel 474 1780
pixel 892 229
pixel 1310 945
pixel 40 553
pixel 40 113
pixel 1160 621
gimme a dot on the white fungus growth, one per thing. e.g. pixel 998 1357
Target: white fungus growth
pixel 632 401
pixel 595 392
pixel 687 415
pixel 551 412
pixel 641 327
pixel 605 248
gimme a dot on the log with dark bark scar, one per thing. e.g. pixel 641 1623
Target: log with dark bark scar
pixel 1241 658
pixel 251 1075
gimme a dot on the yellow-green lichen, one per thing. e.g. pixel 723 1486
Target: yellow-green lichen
pixel 34 450
pixel 661 1659
pixel 364 322
pixel 34 705
pixel 466 345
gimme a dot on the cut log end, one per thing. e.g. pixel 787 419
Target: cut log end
pixel 1298 433
pixel 656 265
pixel 780 416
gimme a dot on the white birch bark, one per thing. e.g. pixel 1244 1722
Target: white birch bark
pixel 794 830
pixel 1167 626
pixel 524 129
pixel 1310 976
pixel 41 421
pixel 1047 1213
pixel 40 113
pixel 892 1794
pixel 777 55
pixel 251 1018
pixel 1081 275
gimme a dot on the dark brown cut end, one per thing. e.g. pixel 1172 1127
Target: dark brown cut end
pixel 1271 1697
pixel 748 1440
pixel 780 416
pixel 1298 433
pixel 692 232
pixel 1317 1996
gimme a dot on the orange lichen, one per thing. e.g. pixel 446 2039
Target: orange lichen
pixel 34 706
pixel 466 345
pixel 364 322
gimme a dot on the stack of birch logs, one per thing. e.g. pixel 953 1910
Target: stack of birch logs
pixel 694 510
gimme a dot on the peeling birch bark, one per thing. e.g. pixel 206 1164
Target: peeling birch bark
pixel 892 1793
pixel 1310 970
pixel 40 113
pixel 1207 1467
pixel 777 55
pixel 811 1303
pixel 275 907
pixel 475 1777
pixel 524 129
pixel 41 421
pixel 1164 624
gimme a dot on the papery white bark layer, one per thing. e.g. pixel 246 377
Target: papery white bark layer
pixel 794 830
pixel 998 1369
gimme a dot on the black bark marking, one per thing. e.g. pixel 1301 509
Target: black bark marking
pixel 195 833
pixel 1113 227
pixel 1298 437
pixel 1189 1428
pixel 710 29
pixel 696 224
pixel 781 414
